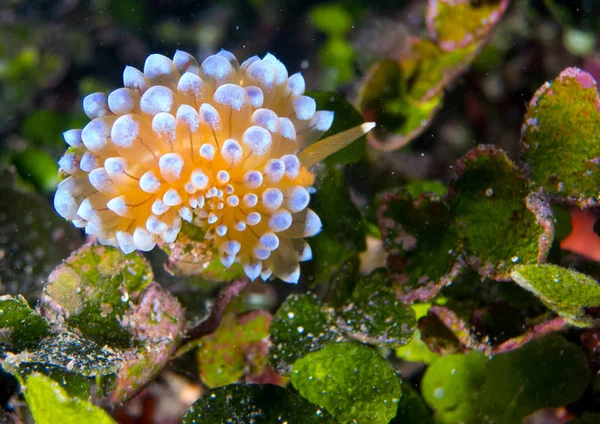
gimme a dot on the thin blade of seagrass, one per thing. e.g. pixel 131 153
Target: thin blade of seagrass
pixel 328 146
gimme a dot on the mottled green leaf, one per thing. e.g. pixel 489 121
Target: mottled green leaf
pixel 247 403
pixel 561 138
pixel 238 347
pixel 424 252
pixel 549 372
pixel 457 24
pixel 301 325
pixel 33 239
pixel 346 117
pixel 375 316
pixel 331 18
pixel 49 404
pixel 451 386
pixel 502 223
pixel 416 350
pixel 568 293
pixel 350 381
pixel 110 298
pixel 93 289
pixel 384 98
pixel 20 326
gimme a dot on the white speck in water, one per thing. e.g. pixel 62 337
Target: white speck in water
pixel 300 329
pixel 515 259
pixel 489 192
pixel 125 297
pixel 439 393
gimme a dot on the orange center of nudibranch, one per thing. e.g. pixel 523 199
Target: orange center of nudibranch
pixel 213 144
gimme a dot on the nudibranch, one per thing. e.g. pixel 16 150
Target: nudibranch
pixel 224 146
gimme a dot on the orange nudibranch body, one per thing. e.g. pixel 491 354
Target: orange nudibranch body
pixel 216 144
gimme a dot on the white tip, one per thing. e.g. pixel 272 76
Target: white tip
pixel 265 274
pixel 164 126
pixel 212 218
pixel 125 131
pixel 207 152
pixel 272 198
pixel 267 119
pixel 253 218
pixel 199 179
pixel 292 166
pixel 158 66
pixel 134 79
pixel 157 99
pixel 280 69
pixel 210 116
pixel 149 183
pixel 188 115
pixel 257 139
pixel 250 200
pixel 122 101
pixel 227 261
pixel 89 162
pixel 65 204
pixel 252 270
pixel 125 240
pixel 115 167
pixel 253 179
pixel 305 107
pixel 184 60
pixel 233 201
pixel 95 135
pixel 231 95
pixel 186 214
pixel 143 239
pixel 118 206
pixel 68 163
pixel 255 95
pixel 240 226
pixel 291 277
pixel 280 220
pixel 297 199
pixel 322 120
pixel 73 138
pixel 313 224
pixel 305 253
pixel 94 105
pixel 296 84
pixel 287 128
pixel 221 230
pixel 217 68
pixel 232 152
pixel 274 170
pixel 232 247
pixel 192 85
pixel 269 241
pixel 171 166
pixel 159 207
pixel 86 210
pixel 263 72
pixel 100 180
pixel 155 226
pixel 261 254
pixel 172 197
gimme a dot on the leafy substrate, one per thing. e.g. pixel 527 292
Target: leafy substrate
pixel 561 138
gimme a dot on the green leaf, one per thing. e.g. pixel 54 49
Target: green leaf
pixel 384 98
pixel 451 386
pixel 245 403
pixel 301 325
pixel 568 293
pixel 336 248
pixel 460 24
pixel 33 239
pixel 110 298
pixel 20 326
pixel 561 138
pixel 503 223
pixel 93 288
pixel 38 167
pixel 44 127
pixel 49 403
pixel 424 252
pixel 411 409
pixel 346 117
pixel 331 18
pixel 375 316
pixel 416 351
pixel 549 372
pixel 238 347
pixel 350 381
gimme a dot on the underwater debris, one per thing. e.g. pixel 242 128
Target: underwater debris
pixel 215 144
